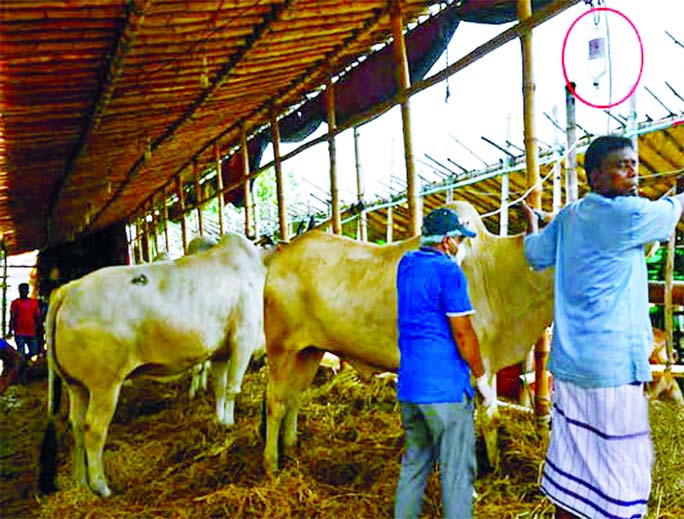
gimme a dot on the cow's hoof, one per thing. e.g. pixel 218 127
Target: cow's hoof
pixel 101 489
pixel 270 468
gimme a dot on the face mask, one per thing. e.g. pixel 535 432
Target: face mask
pixel 454 249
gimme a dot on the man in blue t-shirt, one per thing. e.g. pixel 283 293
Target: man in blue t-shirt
pixel 438 348
pixel 600 455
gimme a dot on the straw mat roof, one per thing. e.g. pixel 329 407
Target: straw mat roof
pixel 104 101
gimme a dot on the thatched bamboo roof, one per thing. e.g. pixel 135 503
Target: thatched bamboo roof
pixel 105 102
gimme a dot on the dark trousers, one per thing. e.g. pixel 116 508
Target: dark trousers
pixel 27 346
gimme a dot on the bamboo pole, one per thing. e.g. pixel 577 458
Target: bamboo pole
pixel 181 206
pixel 153 229
pixel 219 188
pixel 246 189
pixel 361 223
pixel 503 218
pixel 571 192
pixel 667 300
pixel 505 185
pixel 403 83
pixel 390 226
pixel 140 256
pixel 282 214
pixel 669 282
pixel 542 347
pixel 334 193
pixel 557 178
pixel 255 216
pixel 4 288
pixel 129 242
pixel 198 197
pixel 165 218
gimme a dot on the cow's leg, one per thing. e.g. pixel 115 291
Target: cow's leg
pixel 78 401
pixel 219 371
pixel 277 395
pixel 490 430
pixel 99 414
pixel 198 377
pixel 305 370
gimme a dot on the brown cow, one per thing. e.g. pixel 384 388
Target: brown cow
pixel 331 293
pixel 156 320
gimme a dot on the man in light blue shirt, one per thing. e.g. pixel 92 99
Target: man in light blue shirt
pixel 600 454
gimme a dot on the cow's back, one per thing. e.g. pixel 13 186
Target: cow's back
pixel 128 316
pixel 340 295
pixel 336 294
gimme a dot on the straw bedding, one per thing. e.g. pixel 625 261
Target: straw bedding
pixel 166 458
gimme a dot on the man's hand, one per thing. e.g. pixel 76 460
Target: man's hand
pixel 488 395
pixel 534 217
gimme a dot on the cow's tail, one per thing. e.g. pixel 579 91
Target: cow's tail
pixel 48 448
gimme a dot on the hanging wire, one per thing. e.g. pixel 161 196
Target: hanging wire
pixel 610 66
pixel 446 53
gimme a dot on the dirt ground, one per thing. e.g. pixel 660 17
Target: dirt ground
pixel 166 458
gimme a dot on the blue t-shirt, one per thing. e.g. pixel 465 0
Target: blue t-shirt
pixel 430 288
pixel 602 333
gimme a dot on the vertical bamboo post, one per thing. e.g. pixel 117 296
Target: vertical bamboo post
pixel 390 225
pixel 361 223
pixel 129 242
pixel 165 218
pixel 505 189
pixel 219 188
pixel 667 298
pixel 541 352
pixel 153 228
pixel 557 194
pixel 571 191
pixel 669 280
pixel 282 214
pixel 403 82
pixel 255 216
pixel 505 185
pixel 145 238
pixel 198 197
pixel 181 207
pixel 246 189
pixel 334 193
pixel 4 287
pixel 139 241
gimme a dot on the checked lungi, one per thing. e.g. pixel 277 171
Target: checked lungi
pixel 599 460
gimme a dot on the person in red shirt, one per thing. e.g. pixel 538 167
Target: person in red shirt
pixel 25 323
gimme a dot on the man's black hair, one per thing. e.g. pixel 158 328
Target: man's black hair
pixel 598 150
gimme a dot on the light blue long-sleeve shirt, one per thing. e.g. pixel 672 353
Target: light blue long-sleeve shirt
pixel 602 333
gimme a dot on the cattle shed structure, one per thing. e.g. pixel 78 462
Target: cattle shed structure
pixel 118 117
pixel 123 115
pixel 114 111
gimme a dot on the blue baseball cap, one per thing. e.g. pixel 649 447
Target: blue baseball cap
pixel 444 221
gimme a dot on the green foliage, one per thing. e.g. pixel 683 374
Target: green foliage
pixel 656 265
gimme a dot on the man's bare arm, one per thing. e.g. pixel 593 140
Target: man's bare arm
pixel 467 342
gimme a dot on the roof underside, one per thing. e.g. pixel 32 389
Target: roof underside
pixel 103 102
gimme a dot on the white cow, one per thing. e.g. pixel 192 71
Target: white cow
pixel 331 293
pixel 157 320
